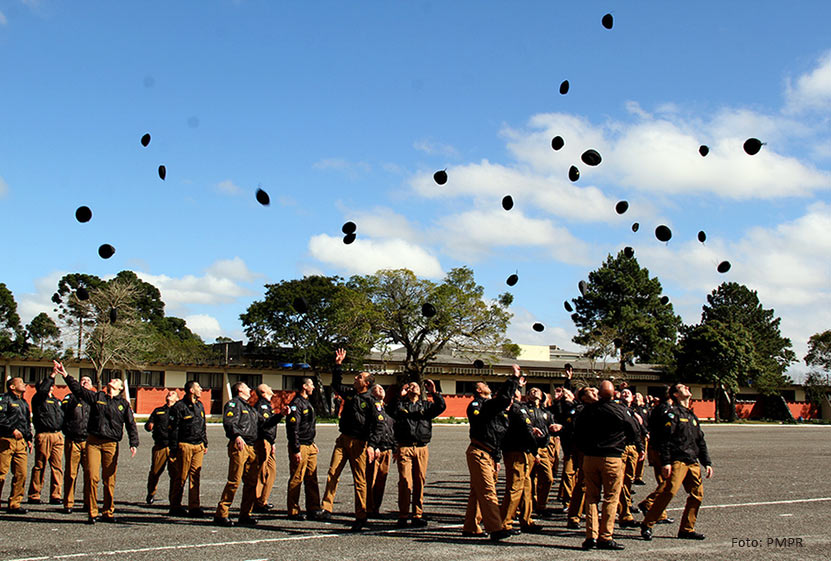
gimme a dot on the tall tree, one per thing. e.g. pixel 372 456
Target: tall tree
pixel 735 305
pixel 818 381
pixel 77 314
pixel 464 321
pixel 310 318
pixel 622 301
pixel 43 332
pixel 11 332
pixel 716 353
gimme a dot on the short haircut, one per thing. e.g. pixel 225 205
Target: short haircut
pixel 11 382
pixel 305 379
pixel 567 367
pixel 235 388
pixel 189 385
pixel 370 378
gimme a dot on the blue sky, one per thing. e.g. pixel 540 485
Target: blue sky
pixel 343 111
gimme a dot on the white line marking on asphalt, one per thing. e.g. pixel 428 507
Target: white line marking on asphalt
pixel 786 515
pixel 216 544
pixel 765 503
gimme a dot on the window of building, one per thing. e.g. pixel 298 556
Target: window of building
pixel 250 380
pixel 466 387
pixel 657 391
pixel 293 383
pixel 789 395
pixel 146 378
pixel 708 393
pixel 208 380
pixel 31 374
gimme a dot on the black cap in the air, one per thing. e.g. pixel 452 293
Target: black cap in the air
pixel 162 172
pixel 591 157
pixel 573 173
pixel 349 238
pixel 724 266
pixel 106 251
pixel 145 140
pixel 440 177
pixel 621 207
pixel 263 198
pixel 428 310
pixel 663 233
pixel 512 280
pixel 83 214
pixel 349 227
pixel 507 202
pixel 557 142
pixel 564 87
pixel 703 150
pixel 608 21
pixel 702 237
pixel 752 146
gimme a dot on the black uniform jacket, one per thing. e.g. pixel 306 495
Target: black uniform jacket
pixel 108 415
pixel 47 414
pixel 14 414
pixel 244 420
pixel 75 418
pixel 682 439
pixel 381 427
pixel 603 429
pixel 565 413
pixel 520 436
pixel 655 422
pixel 187 423
pixel 488 419
pixel 159 423
pixel 353 418
pixel 300 424
pixel 267 432
pixel 540 418
pixel 414 419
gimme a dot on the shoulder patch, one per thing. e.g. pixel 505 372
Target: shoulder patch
pixel 475 404
pixel 380 417
pixel 229 414
pixel 671 415
pixel 475 411
pixel 527 421
pixel 294 408
pixel 231 404
pixel 305 411
pixel 264 406
pixel 121 408
pixel 15 405
pixel 292 420
pixel 363 405
pixel 266 415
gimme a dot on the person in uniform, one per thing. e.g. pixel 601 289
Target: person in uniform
pixel 518 448
pixel 602 430
pixel 488 418
pixel 413 431
pixel 565 412
pixel 301 430
pixel 576 505
pixel 654 425
pixel 48 420
pixel 542 471
pixel 350 446
pixel 640 407
pixel 159 424
pixel 15 441
pixel 681 448
pixel 380 446
pixel 242 423
pixel 109 415
pixel 75 425
pixel 266 453
pixel 188 437
pixel 630 462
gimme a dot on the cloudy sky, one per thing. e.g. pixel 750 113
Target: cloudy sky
pixel 343 111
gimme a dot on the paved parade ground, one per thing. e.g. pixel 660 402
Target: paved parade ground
pixel 770 498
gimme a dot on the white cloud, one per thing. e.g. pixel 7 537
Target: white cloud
pixel 383 222
pixel 435 148
pixel 208 289
pixel 353 170
pixel 812 91
pixel 4 187
pixel 234 269
pixel 31 304
pixel 228 187
pixel 3 20
pixel 205 326
pixel 366 256
pixel 520 331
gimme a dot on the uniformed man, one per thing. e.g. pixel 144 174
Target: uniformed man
pixel 655 426
pixel 413 432
pixel 188 438
pixel 110 413
pixel 350 446
pixel 75 425
pixel 301 431
pixel 242 423
pixel 630 462
pixel 519 448
pixel 542 470
pixel 565 412
pixel 15 441
pixel 640 407
pixel 266 453
pixel 602 430
pixel 576 505
pixel 159 425
pixel 488 420
pixel 379 450
pixel 48 420
pixel 681 448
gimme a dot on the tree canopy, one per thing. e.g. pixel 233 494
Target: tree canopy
pixel 622 304
pixel 463 321
pixel 11 332
pixel 44 333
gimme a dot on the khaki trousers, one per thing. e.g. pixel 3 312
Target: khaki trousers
pixel 101 465
pixel 268 470
pixel 688 475
pixel 48 449
pixel 542 477
pixel 570 467
pixel 641 466
pixel 517 487
pixel 75 453
pixel 483 502
pixel 352 450
pixel 630 463
pixel 655 461
pixel 304 473
pixel 554 454
pixel 412 473
pixel 376 480
pixel 244 468
pixel 159 460
pixel 577 504
pixel 606 474
pixel 186 465
pixel 14 455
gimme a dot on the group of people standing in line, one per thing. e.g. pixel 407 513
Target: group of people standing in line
pixel 600 435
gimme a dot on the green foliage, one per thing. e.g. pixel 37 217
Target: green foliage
pixel 715 352
pixel 45 335
pixel 817 387
pixel 464 321
pixel 819 351
pixel 77 315
pixel 622 302
pixel 11 332
pixel 738 307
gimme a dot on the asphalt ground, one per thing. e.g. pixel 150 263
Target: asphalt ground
pixel 770 482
